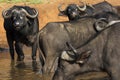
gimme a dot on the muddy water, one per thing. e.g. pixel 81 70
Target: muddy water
pixel 26 70
pixel 29 70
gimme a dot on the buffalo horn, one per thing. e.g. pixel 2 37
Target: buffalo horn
pixel 98 27
pixel 31 16
pixel 83 8
pixel 59 7
pixel 4 13
pixel 72 48
pixel 69 55
pixel 91 6
pixel 113 22
pixel 106 23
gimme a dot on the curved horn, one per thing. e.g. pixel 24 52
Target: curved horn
pixel 83 8
pixel 70 55
pixel 31 16
pixel 102 21
pixel 67 55
pixel 72 48
pixel 59 7
pixel 91 6
pixel 113 22
pixel 5 13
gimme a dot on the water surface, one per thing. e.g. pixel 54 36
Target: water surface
pixel 29 70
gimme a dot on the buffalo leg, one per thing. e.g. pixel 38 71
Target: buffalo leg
pixel 34 50
pixel 48 66
pixel 51 64
pixel 34 66
pixel 59 74
pixel 10 43
pixel 41 64
pixel 18 48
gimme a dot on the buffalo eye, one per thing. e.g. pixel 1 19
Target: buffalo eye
pixel 76 9
pixel 69 9
pixel 21 17
pixel 14 18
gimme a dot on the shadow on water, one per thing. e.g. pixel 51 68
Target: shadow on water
pixel 29 70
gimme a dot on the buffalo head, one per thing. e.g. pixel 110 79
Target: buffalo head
pixel 72 11
pixel 19 16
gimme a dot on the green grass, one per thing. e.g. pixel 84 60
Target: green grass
pixel 24 1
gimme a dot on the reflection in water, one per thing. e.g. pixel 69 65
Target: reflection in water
pixel 26 70
pixel 35 66
pixel 29 70
pixel 22 71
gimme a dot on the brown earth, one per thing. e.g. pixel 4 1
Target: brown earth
pixel 48 12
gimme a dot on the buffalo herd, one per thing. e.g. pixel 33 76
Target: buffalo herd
pixel 88 42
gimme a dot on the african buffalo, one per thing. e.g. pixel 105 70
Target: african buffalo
pixel 98 52
pixel 53 38
pixel 75 12
pixel 21 25
pixel 72 11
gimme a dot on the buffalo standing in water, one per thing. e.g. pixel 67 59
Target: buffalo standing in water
pixel 21 25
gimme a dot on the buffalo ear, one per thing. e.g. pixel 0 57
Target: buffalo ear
pixel 62 13
pixel 84 57
pixel 100 24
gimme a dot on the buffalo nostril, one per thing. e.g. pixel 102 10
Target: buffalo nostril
pixel 73 13
pixel 16 24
